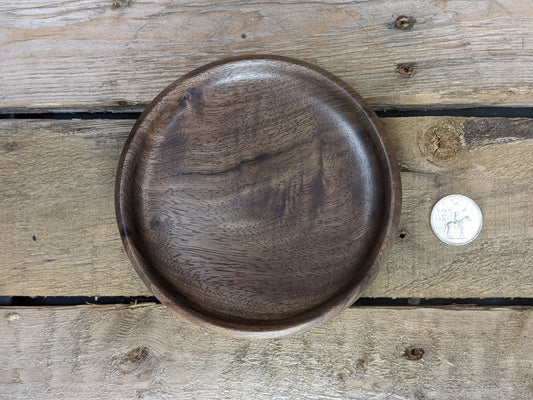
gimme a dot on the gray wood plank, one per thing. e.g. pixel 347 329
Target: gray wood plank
pixel 86 54
pixel 57 182
pixel 147 352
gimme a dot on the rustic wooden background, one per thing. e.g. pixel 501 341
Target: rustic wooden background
pixel 58 236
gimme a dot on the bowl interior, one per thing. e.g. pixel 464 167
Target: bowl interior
pixel 255 194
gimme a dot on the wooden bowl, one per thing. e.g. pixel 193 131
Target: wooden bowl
pixel 257 196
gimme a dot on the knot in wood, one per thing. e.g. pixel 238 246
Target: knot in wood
pixel 132 359
pixel 406 69
pixel 414 353
pixel 404 23
pixel 441 142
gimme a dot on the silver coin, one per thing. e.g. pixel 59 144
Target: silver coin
pixel 456 219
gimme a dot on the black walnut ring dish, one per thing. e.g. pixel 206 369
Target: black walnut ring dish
pixel 257 196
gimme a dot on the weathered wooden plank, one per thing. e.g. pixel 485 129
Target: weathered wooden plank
pixel 105 352
pixel 58 235
pixel 441 156
pixel 101 54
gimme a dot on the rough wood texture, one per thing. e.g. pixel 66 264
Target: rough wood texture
pixel 58 180
pixel 258 196
pixel 102 54
pixel 146 352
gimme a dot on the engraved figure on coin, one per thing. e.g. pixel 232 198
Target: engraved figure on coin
pixel 455 228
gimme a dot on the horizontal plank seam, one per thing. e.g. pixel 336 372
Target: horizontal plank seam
pixel 64 301
pixel 479 112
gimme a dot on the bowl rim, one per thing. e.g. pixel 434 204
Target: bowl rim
pixel 310 318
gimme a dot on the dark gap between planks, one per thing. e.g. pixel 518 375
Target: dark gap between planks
pixel 26 301
pixel 479 112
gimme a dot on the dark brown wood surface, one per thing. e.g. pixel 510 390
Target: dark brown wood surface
pixel 258 195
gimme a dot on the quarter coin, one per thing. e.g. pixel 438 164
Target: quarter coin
pixel 456 219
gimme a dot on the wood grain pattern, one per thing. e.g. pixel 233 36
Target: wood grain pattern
pixel 58 179
pixel 258 196
pixel 147 352
pixel 87 54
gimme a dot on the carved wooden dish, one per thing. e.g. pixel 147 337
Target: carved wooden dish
pixel 257 196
